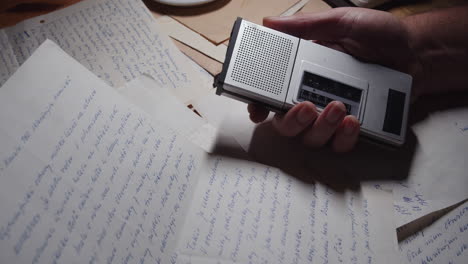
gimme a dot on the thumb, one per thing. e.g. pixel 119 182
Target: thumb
pixel 324 26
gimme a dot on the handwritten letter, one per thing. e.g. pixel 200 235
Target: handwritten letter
pixel 158 102
pixel 249 213
pixel 86 175
pixel 117 40
pixel 445 241
pixel 8 63
pixel 411 202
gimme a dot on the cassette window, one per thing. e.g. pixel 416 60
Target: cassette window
pixel 321 91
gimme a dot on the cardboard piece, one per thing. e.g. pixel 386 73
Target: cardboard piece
pixel 210 65
pixel 214 21
pixel 189 37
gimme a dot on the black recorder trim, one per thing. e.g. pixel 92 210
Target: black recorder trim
pixel 394 112
pixel 220 78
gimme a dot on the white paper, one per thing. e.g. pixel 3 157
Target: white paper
pixel 436 175
pixel 215 108
pixel 445 241
pixel 103 183
pixel 244 212
pixel 440 164
pixel 86 176
pixel 162 105
pixel 117 40
pixel 410 203
pixel 236 190
pixel 8 63
pixel 227 115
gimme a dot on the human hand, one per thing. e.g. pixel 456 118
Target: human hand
pixel 369 35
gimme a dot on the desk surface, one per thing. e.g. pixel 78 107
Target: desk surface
pixel 24 11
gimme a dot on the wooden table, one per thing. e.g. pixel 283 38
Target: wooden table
pixel 24 11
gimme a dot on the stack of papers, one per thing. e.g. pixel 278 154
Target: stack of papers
pixel 116 40
pixel 106 181
pixel 99 170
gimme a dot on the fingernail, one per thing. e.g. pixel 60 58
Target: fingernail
pixel 334 114
pixel 305 116
pixel 349 128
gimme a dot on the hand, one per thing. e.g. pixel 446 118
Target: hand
pixel 303 120
pixel 369 35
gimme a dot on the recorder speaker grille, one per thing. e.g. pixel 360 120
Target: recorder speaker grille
pixel 262 60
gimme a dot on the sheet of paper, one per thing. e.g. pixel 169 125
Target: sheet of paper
pixel 244 212
pixel 210 65
pixel 445 241
pixel 189 37
pixel 94 189
pixel 86 176
pixel 435 171
pixel 436 175
pixel 214 21
pixel 215 108
pixel 438 172
pixel 116 40
pixel 8 63
pixel 228 171
pixel 159 103
pixel 218 111
pixel 410 203
pixel 410 229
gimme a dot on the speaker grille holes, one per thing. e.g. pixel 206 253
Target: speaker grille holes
pixel 262 60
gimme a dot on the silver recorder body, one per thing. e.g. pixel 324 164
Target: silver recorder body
pixel 276 70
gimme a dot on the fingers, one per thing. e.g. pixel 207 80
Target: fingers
pixel 324 26
pixel 257 113
pixel 296 120
pixel 346 135
pixel 315 129
pixel 325 125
